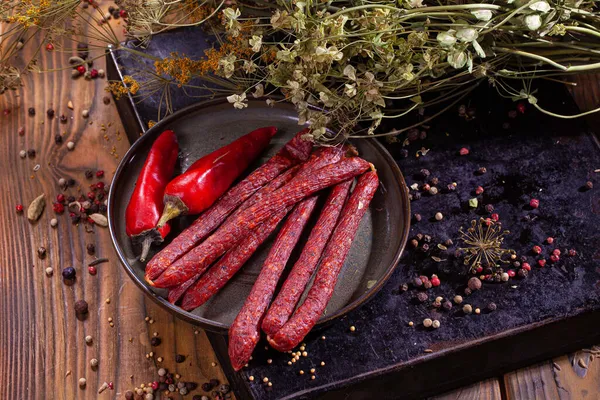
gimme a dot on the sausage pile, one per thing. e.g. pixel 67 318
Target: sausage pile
pixel 205 256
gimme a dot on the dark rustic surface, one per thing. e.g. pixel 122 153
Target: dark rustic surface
pixel 535 157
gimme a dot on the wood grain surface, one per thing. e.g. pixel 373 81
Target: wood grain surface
pixel 43 353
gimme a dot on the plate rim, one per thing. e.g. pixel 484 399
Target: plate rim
pixel 219 327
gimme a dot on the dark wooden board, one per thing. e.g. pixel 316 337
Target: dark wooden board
pixel 554 311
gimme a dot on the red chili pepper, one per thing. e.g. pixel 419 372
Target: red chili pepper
pixel 208 178
pixel 146 203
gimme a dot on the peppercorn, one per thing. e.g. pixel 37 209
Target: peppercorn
pixel 419 236
pixel 504 277
pixel 92 270
pixel 50 113
pixel 404 287
pixel 589 185
pixel 481 170
pixel 468 292
pixel 572 253
pixel 447 305
pixel 91 248
pixel 489 208
pixel 179 358
pixel 451 187
pixel 417 282
pixel 31 153
pixel 89 174
pixel 63 118
pixel 224 388
pixel 69 273
pixel 435 281
pixel 467 309
pixel 425 247
pixel 41 252
pixel 536 249
pixel 427 238
pixel 191 386
pixel 99 173
pixel 422 297
pixel 214 382
pixel 439 216
pixel 426 187
pixel 554 258
pixel 81 306
pixel 522 273
pixel 427 284
pixel 464 151
pixel 155 341
pixel 427 322
pixel 31 111
pixel 433 191
pixel 206 386
pixel 129 395
pixel 474 284
pixel 534 203
pixel 458 299
pixel 416 196
pixel 478 190
pixel 417 217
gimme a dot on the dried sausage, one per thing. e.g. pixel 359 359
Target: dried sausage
pixel 295 151
pixel 245 330
pixel 284 304
pixel 197 260
pixel 307 315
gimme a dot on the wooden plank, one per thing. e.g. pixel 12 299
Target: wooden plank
pixel 488 389
pixel 42 349
pixel 574 376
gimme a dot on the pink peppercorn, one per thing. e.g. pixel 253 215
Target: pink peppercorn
pixel 92 270
pixel 435 281
pixel 478 190
pixel 111 386
pixel 537 249
pixel 155 385
pixel 495 217
pixel 534 203
pixel 479 269
pixel 60 198
pixel 49 47
pixel 19 208
pixel 556 252
pixel 21 131
pixel 554 258
pixel 572 253
pixel 542 262
pixel 123 14
pixel 424 278
pixel 464 151
pixel 549 240
pixel 90 221
pixel 100 185
pixel 526 266
pixel 91 195
pixel 94 73
pixel 521 107
pixel 81 69
pixel 99 173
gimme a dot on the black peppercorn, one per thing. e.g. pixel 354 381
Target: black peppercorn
pixel 89 174
pixel 425 247
pixel 416 196
pixel 91 248
pixel 31 111
pixel 489 208
pixel 523 258
pixel 50 113
pixel 31 153
pixel 427 284
pixel 404 287
pixel 179 358
pixel 214 382
pixel 102 208
pixel 434 181
pixel 417 282
pixel 197 397
pixel 417 217
pixel 425 173
pixel 155 341
pixel 75 219
pixel 474 284
pixel 63 118
pixel 70 199
pixel 111 9
pixel 129 395
pixel 106 100
pixel 516 264
pixel 69 273
pixel 191 386
pixel 492 306
pixel 467 291
pixel 482 170
pixel 447 305
pixel 403 153
pixel 162 386
pixel 41 251
pixel 81 307
pixel 116 14
pixel 224 388
pixel 589 185
pixel 419 236
pixel 206 386
pixel 427 238
pixel 422 297
pixel 94 208
pixel 58 139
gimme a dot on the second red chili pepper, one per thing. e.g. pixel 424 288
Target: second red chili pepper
pixel 146 202
pixel 208 178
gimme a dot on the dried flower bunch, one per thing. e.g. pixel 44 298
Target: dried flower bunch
pixel 483 244
pixel 347 65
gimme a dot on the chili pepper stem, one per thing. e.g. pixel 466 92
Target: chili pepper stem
pixel 148 240
pixel 174 207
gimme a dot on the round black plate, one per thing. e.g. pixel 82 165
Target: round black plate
pixel 204 127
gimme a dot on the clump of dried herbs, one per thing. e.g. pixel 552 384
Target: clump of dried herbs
pixel 482 245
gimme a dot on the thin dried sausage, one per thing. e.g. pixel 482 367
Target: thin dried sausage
pixel 295 151
pixel 245 330
pixel 284 304
pixel 197 260
pixel 307 315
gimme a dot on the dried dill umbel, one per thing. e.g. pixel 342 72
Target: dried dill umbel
pixel 482 244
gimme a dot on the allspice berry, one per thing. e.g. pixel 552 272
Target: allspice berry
pixel 467 309
pixel 474 283
pixel 81 307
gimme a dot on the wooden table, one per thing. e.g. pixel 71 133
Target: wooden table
pixel 43 353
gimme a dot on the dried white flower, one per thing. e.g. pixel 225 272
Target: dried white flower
pixel 457 59
pixel 256 43
pixel 227 65
pixel 467 35
pixel 281 20
pixel 249 67
pixel 259 91
pixel 540 6
pixel 533 21
pixel 446 39
pixel 239 101
pixel 482 15
pixel 350 72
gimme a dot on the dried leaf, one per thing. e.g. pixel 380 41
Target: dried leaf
pixel 99 219
pixel 370 284
pixel 436 259
pixel 36 208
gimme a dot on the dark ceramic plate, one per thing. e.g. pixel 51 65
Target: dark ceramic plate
pixel 207 126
